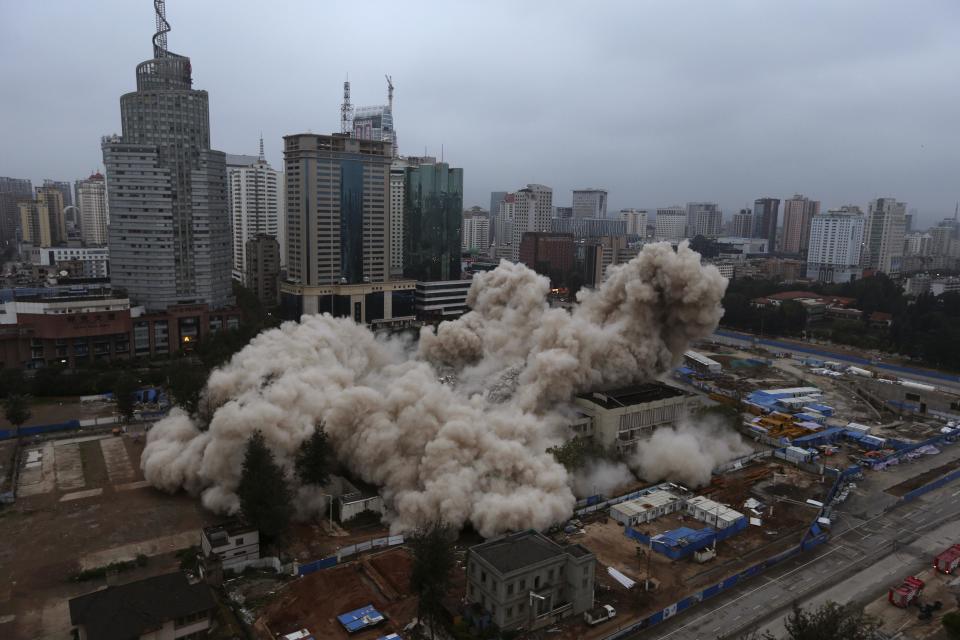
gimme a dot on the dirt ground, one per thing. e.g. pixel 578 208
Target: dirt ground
pixel 83 504
pixel 313 602
pixel 313 541
pixel 905 621
pixel 57 410
pixel 917 481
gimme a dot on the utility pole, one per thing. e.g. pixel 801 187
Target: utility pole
pixel 346 109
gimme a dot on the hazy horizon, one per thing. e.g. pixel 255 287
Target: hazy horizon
pixel 659 104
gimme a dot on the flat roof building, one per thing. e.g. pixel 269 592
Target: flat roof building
pixel 622 417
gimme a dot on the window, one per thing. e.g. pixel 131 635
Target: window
pixel 536 582
pixel 509 589
pixel 509 612
pixel 550 575
pixel 239 541
pixel 523 584
pixel 483 577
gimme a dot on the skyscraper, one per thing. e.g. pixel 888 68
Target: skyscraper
pixel 12 192
pixel 432 219
pixel 169 231
pixel 496 197
pixel 94 213
pixel 703 219
pixel 262 264
pixel 532 209
pixel 589 203
pixel 836 238
pixel 743 224
pixel 503 226
pixel 338 230
pixel 376 122
pixel 798 212
pixel 883 237
pixel 256 208
pixel 765 211
pixel 671 224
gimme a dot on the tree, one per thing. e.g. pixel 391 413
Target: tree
pixel 123 393
pixel 574 453
pixel 186 386
pixel 315 458
pixel 16 408
pixel 433 562
pixel 951 623
pixel 828 622
pixel 265 499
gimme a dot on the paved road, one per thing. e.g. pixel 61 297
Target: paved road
pixel 939 378
pixel 846 568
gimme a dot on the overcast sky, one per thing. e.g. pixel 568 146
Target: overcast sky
pixel 659 102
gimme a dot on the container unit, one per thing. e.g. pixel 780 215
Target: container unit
pixel 872 442
pixel 713 513
pixel 680 543
pixel 861 428
pixel 948 561
pixel 646 508
pixel 796 454
pixel 819 407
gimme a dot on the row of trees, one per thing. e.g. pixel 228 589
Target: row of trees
pixel 926 328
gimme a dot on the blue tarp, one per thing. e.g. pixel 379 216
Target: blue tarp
pixel 825 409
pixel 361 618
pixel 390 636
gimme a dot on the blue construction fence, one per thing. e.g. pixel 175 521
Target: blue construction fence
pixel 930 486
pixel 345 554
pixel 70 425
pixel 694 539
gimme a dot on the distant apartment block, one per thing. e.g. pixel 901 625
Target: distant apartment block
pixel 671 224
pixel 883 236
pixel 798 213
pixel 94 211
pixel 532 209
pixel 476 231
pixel 704 219
pixel 836 238
pixel 262 257
pixel 765 215
pixel 589 203
pixel 256 208
pixel 742 225
pixel 581 228
pixel 636 222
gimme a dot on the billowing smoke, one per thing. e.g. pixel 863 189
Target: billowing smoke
pixel 688 452
pixel 600 477
pixel 445 447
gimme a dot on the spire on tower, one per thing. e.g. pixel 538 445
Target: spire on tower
pixel 262 157
pixel 163 27
pixel 389 92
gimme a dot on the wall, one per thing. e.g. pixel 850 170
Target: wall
pixel 345 554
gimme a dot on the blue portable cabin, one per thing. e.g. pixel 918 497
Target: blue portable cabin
pixel 359 619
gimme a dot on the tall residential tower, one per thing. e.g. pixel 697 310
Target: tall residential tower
pixel 167 190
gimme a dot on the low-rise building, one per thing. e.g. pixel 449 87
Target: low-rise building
pixel 78 262
pixel 646 508
pixel 233 544
pixel 164 607
pixel 713 513
pixel 442 300
pixel 621 417
pixel 526 579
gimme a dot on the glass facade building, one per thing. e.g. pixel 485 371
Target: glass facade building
pixel 433 215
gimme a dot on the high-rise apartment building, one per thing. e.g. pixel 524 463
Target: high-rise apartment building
pixel 256 208
pixel 42 221
pixel 834 251
pixel 398 182
pixel 742 224
pixel 704 219
pixel 12 192
pixel 549 254
pixel 636 220
pixel 169 231
pixel 765 213
pixel 582 228
pixel 563 212
pixel 262 252
pixel 671 224
pixel 66 191
pixel 503 226
pixel 883 237
pixel 432 219
pixel 532 208
pixel 798 212
pixel 338 230
pixel 94 212
pixel 496 197
pixel 476 230
pixel 589 203
pixel 917 244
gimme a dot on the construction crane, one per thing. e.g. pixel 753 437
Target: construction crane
pixel 346 109
pixel 389 92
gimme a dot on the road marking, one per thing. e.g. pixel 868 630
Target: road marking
pixel 955 494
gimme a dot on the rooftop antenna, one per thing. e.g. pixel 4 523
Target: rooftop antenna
pixel 163 27
pixel 262 157
pixel 346 109
pixel 956 210
pixel 389 92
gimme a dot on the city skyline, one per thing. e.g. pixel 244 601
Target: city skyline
pixel 840 127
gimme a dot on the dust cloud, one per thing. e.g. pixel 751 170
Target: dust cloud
pixel 420 420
